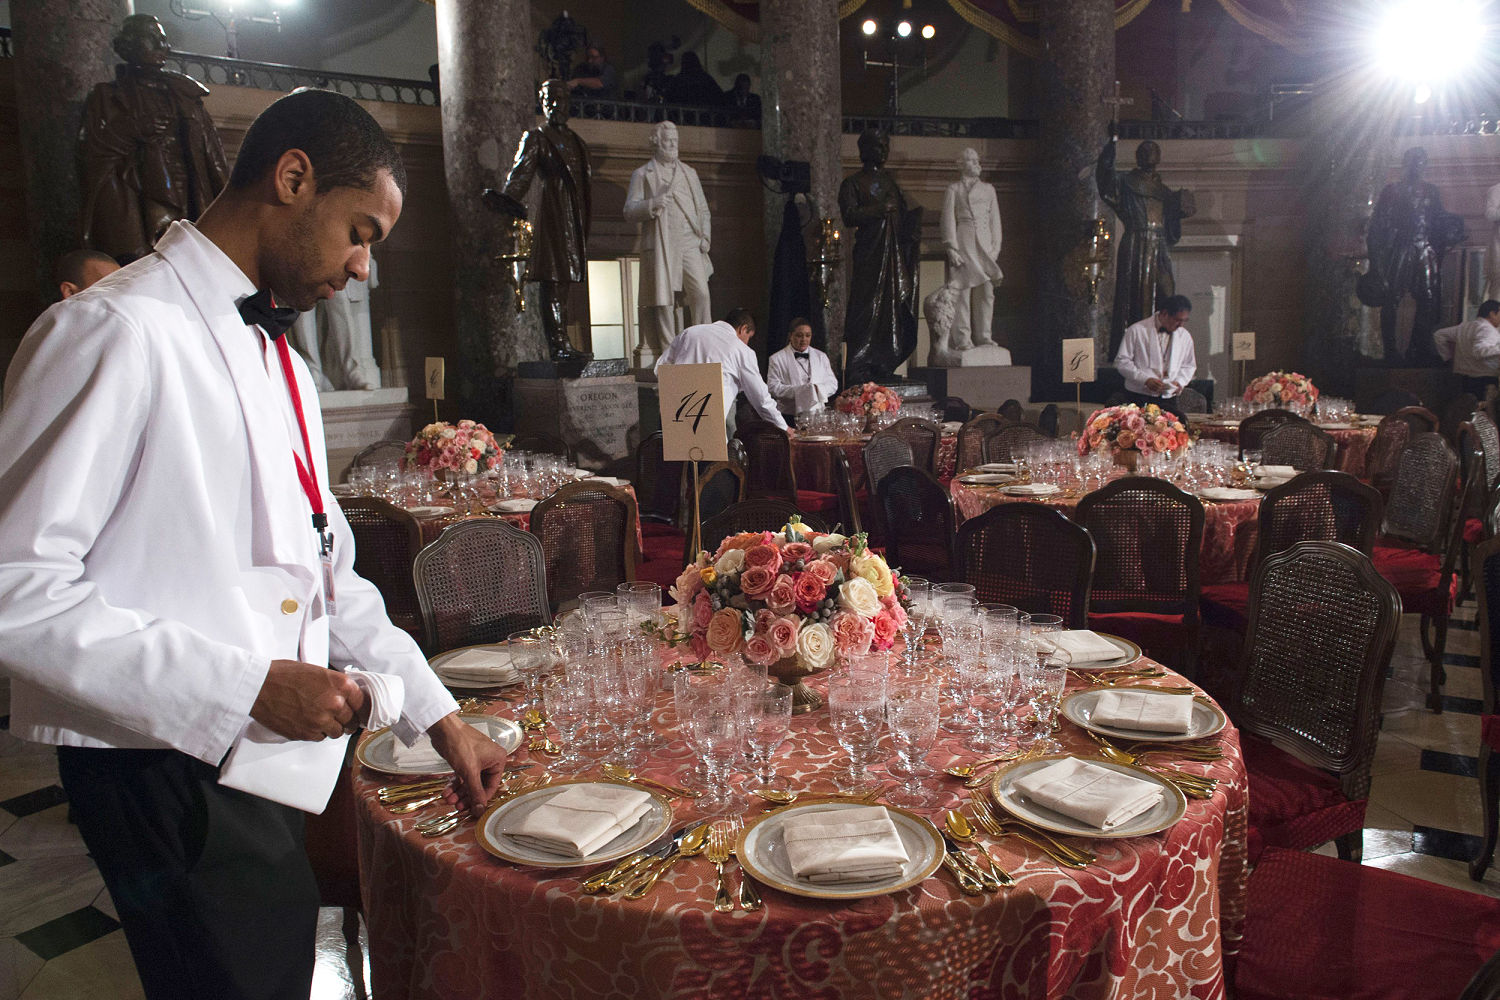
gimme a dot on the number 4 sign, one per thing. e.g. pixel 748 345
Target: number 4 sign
pixel 692 413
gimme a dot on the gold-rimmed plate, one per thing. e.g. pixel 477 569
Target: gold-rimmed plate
pixel 377 751
pixel 816 438
pixel 762 851
pixel 471 683
pixel 1129 653
pixel 987 479
pixel 1165 813
pixel 1079 709
pixel 656 821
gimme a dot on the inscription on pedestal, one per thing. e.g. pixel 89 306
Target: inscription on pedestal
pixel 595 416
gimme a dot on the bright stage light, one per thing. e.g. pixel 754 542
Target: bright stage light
pixel 904 29
pixel 869 27
pixel 928 32
pixel 1423 93
pixel 1429 39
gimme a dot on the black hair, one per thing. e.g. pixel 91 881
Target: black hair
pixel 798 321
pixel 1174 304
pixel 69 267
pixel 1487 307
pixel 739 316
pixel 346 146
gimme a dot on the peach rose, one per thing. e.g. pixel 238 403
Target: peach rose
pixel 851 633
pixel 783 636
pixel 810 592
pixel 768 556
pixel 757 581
pixel 885 628
pixel 763 619
pixel 783 595
pixel 703 610
pixel 796 552
pixel 726 631
pixel 689 582
pixel 744 540
pixel 758 650
pixel 1125 440
pixel 825 571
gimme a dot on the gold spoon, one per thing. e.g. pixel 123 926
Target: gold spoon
pixel 785 797
pixel 692 845
pixel 622 773
pixel 968 770
pixel 961 831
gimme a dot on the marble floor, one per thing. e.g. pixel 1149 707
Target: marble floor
pixel 59 936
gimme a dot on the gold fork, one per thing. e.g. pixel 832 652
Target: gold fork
pixel 994 824
pixel 749 898
pixel 717 853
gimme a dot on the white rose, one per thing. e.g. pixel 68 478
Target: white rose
pixel 471 466
pixel 827 542
pixel 858 595
pixel 730 562
pixel 815 646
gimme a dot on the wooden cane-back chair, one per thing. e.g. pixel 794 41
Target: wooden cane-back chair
pixel 588 535
pixel 658 483
pixel 1029 556
pixel 1300 444
pixel 843 484
pixel 480 581
pixel 922 511
pixel 1003 445
pixel 970 446
pixel 923 437
pixel 882 453
pixel 768 450
pixel 388 452
pixel 765 514
pixel 1253 428
pixel 1190 400
pixel 386 542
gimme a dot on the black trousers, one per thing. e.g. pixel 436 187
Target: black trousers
pixel 1171 405
pixel 1476 384
pixel 212 885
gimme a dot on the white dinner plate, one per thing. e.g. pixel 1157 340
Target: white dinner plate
pixel 377 751
pixel 515 505
pixel 987 479
pixel 816 438
pixel 1222 422
pixel 1270 482
pixel 646 829
pixel 952 426
pixel 429 511
pixel 1032 490
pixel 611 480
pixel 467 683
pixel 762 851
pixel 1154 820
pixel 1206 721
pixel 1129 653
pixel 1227 494
pixel 1335 426
pixel 998 467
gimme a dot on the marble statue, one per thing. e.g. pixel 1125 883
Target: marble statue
pixel 960 315
pixel 559 253
pixel 1408 235
pixel 667 201
pixel 150 152
pixel 1492 262
pixel 1152 215
pixel 880 324
pixel 335 338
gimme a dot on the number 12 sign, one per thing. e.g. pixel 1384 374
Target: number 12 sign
pixel 692 413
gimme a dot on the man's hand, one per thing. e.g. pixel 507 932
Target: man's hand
pixel 303 701
pixel 955 258
pixel 1155 385
pixel 478 763
pixel 658 206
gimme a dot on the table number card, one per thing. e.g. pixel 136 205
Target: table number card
pixel 1078 360
pixel 435 378
pixel 692 413
pixel 1242 346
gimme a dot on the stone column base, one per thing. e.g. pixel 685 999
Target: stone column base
pixel 598 417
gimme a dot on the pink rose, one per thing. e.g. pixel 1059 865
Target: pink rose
pixel 763 619
pixel 699 645
pixel 783 636
pixel 760 651
pixel 757 581
pixel 783 596
pixel 851 633
pixel 840 560
pixel 825 571
pixel 895 610
pixel 768 556
pixel 796 552
pixel 809 591
pixel 703 610
pixel 689 582
pixel 885 628
pixel 726 632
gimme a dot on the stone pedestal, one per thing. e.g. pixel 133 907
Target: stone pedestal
pixel 595 416
pixel 988 356
pixel 983 388
pixel 354 418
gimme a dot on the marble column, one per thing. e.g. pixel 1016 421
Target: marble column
pixel 1074 75
pixel 62 50
pixel 487 72
pixel 801 120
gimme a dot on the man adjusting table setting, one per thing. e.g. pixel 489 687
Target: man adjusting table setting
pixel 176 578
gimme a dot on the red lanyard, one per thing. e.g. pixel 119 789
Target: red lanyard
pixel 308 476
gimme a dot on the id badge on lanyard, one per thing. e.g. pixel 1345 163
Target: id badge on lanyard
pixel 325 559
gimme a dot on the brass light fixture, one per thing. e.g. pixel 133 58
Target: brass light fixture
pixel 824 265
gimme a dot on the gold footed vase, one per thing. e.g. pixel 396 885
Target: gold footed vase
pixel 1127 457
pixel 789 671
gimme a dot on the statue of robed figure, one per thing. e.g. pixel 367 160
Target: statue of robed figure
pixel 880 324
pixel 1152 215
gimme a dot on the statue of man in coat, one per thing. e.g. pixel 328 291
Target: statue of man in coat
pixel 971 238
pixel 667 201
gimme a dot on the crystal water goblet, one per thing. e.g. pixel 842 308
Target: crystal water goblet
pixel 856 706
pixel 770 725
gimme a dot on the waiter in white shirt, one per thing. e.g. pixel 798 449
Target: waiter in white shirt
pixel 1156 355
pixel 799 375
pixel 728 343
pixel 1474 348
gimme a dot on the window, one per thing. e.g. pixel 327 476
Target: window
pixel 612 313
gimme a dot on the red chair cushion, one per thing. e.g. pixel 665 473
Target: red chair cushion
pixel 1318 928
pixel 1161 637
pixel 1292 804
pixel 1489 731
pixel 1416 575
pixel 1473 531
pixel 661 554
pixel 815 503
pixel 1226 605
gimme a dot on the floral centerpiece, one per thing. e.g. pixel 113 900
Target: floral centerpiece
pixel 790 600
pixel 1282 389
pixel 868 400
pixel 465 447
pixel 1129 430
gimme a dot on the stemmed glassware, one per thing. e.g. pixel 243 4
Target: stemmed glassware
pixel 640 599
pixel 997 689
pixel 961 639
pixel 531 657
pixel 919 591
pixel 912 711
pixel 856 708
pixel 770 711
pixel 566 698
pixel 713 726
pixel 1047 676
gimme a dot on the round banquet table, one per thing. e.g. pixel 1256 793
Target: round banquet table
pixel 1229 529
pixel 1154 916
pixel 1353 442
pixel 432 526
pixel 813 460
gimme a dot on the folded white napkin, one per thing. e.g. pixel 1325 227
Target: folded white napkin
pixel 952 426
pixel 1275 472
pixel 422 755
pixel 1085 646
pixel 988 479
pixel 515 505
pixel 998 467
pixel 1097 796
pixel 1223 493
pixel 844 845
pixel 611 480
pixel 1148 711
pixel 1031 489
pixel 491 665
pixel 579 820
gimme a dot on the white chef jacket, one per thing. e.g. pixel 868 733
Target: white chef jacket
pixel 707 343
pixel 156 548
pixel 785 372
pixel 1473 347
pixel 1140 358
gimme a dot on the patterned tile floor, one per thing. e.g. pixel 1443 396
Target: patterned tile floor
pixel 59 936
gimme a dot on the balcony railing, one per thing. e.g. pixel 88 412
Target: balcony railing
pixel 224 71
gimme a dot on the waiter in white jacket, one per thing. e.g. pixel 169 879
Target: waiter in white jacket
pixel 799 376
pixel 1474 348
pixel 1157 357
pixel 174 568
pixel 727 342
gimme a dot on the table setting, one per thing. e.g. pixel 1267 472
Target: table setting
pixel 1351 431
pixel 819 432
pixel 947 823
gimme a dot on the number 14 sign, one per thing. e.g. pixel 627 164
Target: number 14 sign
pixel 692 413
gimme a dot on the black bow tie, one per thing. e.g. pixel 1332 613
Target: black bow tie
pixel 1164 333
pixel 261 310
pixel 800 355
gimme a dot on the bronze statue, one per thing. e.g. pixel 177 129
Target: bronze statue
pixel 880 324
pixel 1152 215
pixel 151 154
pixel 558 256
pixel 1408 235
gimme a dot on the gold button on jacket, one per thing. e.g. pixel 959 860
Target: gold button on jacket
pixel 289 607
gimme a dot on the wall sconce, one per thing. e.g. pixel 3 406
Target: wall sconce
pixel 898 35
pixel 517 254
pixel 1096 255
pixel 824 265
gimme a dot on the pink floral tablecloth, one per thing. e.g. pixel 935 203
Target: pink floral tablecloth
pixel 1352 443
pixel 1229 529
pixel 432 527
pixel 1156 916
pixel 813 462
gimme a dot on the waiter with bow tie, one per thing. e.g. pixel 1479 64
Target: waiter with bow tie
pixel 176 578
pixel 799 375
pixel 1156 355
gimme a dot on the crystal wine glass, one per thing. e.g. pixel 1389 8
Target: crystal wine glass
pixel 856 705
pixel 912 712
pixel 770 725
